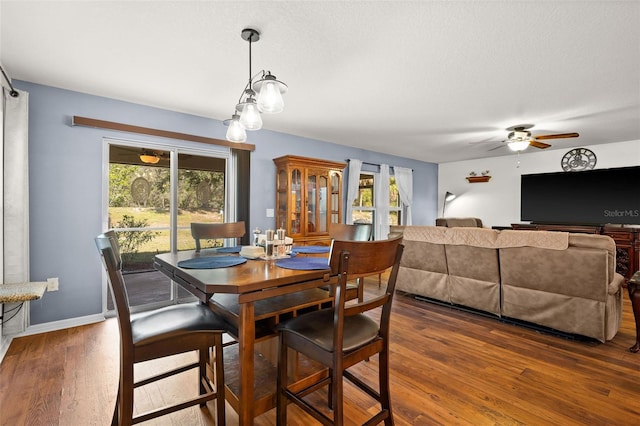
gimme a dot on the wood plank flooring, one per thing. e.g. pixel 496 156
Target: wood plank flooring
pixel 448 368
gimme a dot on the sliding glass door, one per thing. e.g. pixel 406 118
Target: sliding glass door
pixel 153 194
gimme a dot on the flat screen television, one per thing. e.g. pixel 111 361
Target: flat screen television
pixel 584 198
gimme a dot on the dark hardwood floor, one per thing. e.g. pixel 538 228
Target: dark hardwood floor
pixel 449 367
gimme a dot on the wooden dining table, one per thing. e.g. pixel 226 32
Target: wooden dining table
pixel 253 297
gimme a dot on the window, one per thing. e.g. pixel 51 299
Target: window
pixel 363 209
pixel 395 205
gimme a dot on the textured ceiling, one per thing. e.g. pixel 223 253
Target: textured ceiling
pixel 433 80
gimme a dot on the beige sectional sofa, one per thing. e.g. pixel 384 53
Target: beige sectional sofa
pixel 562 281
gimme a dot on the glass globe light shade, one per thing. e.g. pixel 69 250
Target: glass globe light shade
pixel 249 114
pixel 236 132
pixel 270 98
pixel 518 145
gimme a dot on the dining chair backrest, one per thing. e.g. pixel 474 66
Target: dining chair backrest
pixel 351 232
pixel 356 259
pixel 342 336
pixel 214 231
pixel 109 249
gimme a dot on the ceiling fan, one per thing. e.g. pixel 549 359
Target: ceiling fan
pixel 132 155
pixel 153 157
pixel 519 138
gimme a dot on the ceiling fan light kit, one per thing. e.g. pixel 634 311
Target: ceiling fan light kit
pixel 262 94
pixel 517 145
pixel 519 138
pixel 149 157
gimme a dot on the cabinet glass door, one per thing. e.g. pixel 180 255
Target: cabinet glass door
pixel 322 204
pixel 281 196
pixel 335 198
pixel 311 204
pixel 296 201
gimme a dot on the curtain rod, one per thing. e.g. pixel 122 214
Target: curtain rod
pixel 14 93
pixel 371 164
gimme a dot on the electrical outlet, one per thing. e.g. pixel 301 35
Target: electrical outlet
pixel 52 284
pixel 270 212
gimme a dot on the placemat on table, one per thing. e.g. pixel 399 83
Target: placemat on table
pixel 304 263
pixel 311 249
pixel 211 262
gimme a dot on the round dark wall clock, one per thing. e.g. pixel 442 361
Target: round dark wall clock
pixel 578 159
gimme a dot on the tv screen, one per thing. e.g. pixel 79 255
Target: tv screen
pixel 588 197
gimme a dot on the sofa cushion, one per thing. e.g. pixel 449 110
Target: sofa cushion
pixel 541 239
pixel 474 277
pixel 424 256
pixel 424 283
pixel 473 262
pixel 569 314
pixel 578 272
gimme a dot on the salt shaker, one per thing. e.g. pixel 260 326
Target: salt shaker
pixel 269 242
pixel 256 236
pixel 281 246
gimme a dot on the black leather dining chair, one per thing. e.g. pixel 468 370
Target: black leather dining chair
pixel 160 333
pixel 215 231
pixel 342 336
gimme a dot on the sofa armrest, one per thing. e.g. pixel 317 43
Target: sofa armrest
pixel 616 283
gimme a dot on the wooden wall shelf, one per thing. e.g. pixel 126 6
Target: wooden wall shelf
pixel 478 179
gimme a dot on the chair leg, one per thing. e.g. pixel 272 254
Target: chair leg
pixel 330 391
pixel 281 385
pixel 383 378
pixel 337 400
pixel 114 419
pixel 125 395
pixel 360 282
pixel 219 380
pixel 203 355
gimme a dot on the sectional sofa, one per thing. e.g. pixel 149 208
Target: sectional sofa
pixel 561 281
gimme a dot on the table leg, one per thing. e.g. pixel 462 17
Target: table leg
pixel 634 296
pixel 246 341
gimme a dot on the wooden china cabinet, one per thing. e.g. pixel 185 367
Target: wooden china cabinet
pixel 308 198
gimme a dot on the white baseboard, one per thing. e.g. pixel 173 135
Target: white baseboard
pixel 49 326
pixel 62 324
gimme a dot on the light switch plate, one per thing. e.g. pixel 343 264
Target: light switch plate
pixel 270 212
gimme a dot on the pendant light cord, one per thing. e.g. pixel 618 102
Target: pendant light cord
pixel 250 38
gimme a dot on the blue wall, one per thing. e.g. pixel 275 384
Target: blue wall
pixel 65 184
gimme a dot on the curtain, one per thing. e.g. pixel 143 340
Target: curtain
pixel 382 203
pixel 242 159
pixel 353 182
pixel 404 180
pixel 15 200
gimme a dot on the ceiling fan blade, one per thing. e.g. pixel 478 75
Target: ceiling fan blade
pixel 540 145
pixel 502 145
pixel 558 136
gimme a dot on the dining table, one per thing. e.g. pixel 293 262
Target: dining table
pixel 253 296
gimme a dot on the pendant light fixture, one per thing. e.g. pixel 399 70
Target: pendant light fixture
pixel 519 140
pixel 262 96
pixel 149 157
pixel 236 131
